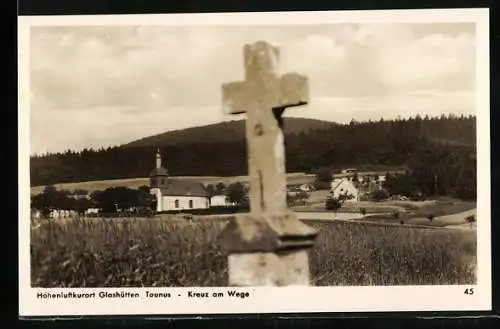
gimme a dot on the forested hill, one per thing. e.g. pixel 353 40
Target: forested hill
pixel 224 132
pixel 444 145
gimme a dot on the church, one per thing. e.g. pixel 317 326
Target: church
pixel 172 194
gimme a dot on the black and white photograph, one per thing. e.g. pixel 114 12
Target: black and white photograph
pixel 212 162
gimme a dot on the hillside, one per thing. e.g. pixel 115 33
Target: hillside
pixel 443 147
pixel 223 133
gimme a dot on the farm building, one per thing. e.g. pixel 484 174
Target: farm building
pixel 344 186
pixel 172 194
pixel 220 200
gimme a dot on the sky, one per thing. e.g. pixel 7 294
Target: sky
pixel 94 86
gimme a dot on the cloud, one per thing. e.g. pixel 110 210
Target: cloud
pixel 133 81
pixel 52 132
pixel 433 61
pixel 344 109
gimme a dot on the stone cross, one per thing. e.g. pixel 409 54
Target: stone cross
pixel 269 245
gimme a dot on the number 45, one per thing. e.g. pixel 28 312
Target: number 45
pixel 469 291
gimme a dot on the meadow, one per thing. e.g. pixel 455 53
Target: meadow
pixel 158 252
pixel 292 178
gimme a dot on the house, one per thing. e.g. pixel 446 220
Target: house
pixel 92 212
pixel 220 200
pixel 368 181
pixel 343 186
pixel 175 194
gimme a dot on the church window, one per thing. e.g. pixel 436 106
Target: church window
pixel 190 203
pixel 176 203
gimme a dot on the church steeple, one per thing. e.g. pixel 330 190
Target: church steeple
pixel 158 176
pixel 158 159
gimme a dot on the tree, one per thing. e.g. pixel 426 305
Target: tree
pixel 332 204
pixel 210 190
pixel 114 198
pixel 362 211
pixel 144 189
pixel 81 205
pixel 144 199
pixel 471 219
pixel 379 195
pixel 355 179
pixel 52 199
pixel 80 192
pixel 323 179
pixel 220 188
pixel 41 203
pixel 236 192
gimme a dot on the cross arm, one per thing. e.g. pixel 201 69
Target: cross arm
pixel 234 98
pixel 290 90
pixel 293 91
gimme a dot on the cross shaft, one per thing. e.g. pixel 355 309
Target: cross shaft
pixel 263 96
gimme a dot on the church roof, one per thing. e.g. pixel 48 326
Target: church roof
pixel 183 188
pixel 337 182
pixel 158 172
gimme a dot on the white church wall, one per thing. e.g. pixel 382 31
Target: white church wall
pixel 183 202
pixel 159 200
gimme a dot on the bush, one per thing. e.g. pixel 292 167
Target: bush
pixel 395 214
pixel 320 185
pixel 380 195
pixel 430 217
pixel 470 219
pixel 362 211
pixel 417 196
pixel 332 204
pixel 323 179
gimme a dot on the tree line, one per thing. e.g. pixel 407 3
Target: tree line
pixel 124 200
pixel 109 201
pixel 442 147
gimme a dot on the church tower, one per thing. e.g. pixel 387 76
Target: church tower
pixel 158 180
pixel 158 159
pixel 158 176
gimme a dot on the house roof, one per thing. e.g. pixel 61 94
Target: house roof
pixel 336 183
pixel 183 188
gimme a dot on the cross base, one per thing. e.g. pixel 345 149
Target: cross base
pixel 268 250
pixel 269 269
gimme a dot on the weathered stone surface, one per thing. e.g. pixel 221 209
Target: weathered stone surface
pixel 266 233
pixel 269 269
pixel 262 91
pixel 267 246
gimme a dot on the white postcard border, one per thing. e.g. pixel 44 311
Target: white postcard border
pixel 266 300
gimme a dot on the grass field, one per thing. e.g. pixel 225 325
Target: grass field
pixel 153 252
pixel 293 178
pixel 451 211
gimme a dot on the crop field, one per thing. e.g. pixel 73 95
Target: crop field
pixel 174 252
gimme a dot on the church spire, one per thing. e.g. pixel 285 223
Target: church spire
pixel 158 158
